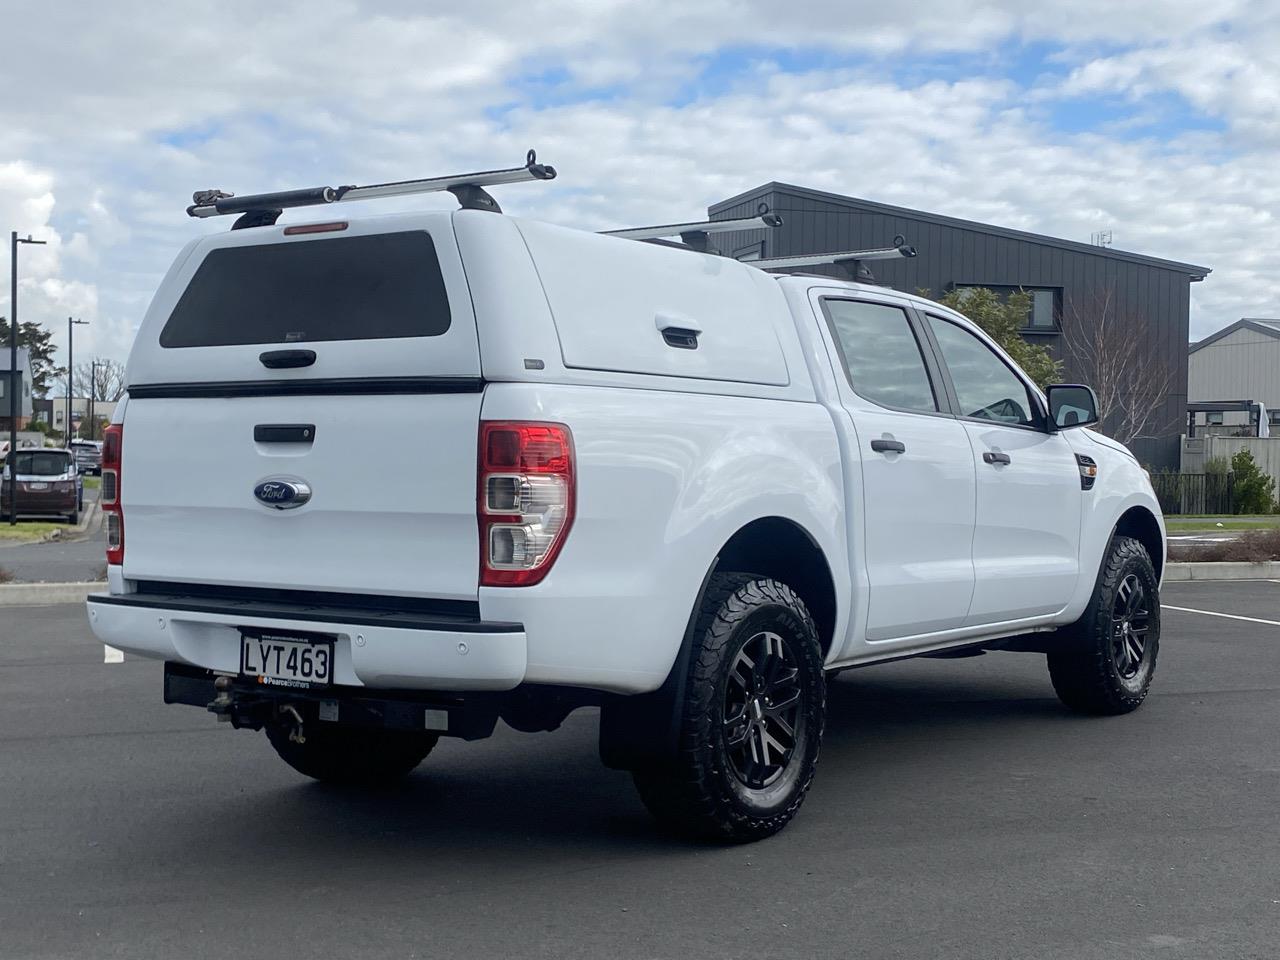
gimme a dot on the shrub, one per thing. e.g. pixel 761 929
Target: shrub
pixel 1254 490
pixel 1217 466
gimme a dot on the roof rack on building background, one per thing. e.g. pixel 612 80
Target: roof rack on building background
pixel 853 261
pixel 263 209
pixel 696 236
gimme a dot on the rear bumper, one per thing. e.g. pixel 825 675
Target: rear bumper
pixel 372 648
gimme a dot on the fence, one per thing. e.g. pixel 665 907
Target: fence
pixel 1195 492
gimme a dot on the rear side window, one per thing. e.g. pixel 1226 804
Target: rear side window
pixel 374 287
pixel 881 355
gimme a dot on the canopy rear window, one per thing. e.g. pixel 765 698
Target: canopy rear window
pixel 373 287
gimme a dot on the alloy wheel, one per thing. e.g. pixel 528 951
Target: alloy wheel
pixel 763 722
pixel 1130 621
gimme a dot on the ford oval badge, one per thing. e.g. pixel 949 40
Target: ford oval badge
pixel 282 494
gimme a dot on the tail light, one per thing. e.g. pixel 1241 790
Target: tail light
pixel 112 441
pixel 524 501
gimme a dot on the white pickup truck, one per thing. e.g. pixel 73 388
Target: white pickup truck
pixel 442 468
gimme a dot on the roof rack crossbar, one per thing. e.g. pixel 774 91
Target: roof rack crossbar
pixel 468 187
pixel 761 220
pixel 850 260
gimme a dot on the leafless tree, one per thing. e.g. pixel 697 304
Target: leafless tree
pixel 1118 354
pixel 100 379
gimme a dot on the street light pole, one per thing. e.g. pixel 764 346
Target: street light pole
pixel 14 240
pixel 93 393
pixel 71 372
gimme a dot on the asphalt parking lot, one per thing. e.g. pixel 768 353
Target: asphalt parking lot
pixel 959 811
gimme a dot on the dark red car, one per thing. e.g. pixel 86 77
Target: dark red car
pixel 47 483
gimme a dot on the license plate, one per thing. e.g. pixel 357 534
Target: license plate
pixel 286 661
pixel 37 486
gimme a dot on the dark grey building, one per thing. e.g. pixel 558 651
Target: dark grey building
pixel 15 382
pixel 1070 282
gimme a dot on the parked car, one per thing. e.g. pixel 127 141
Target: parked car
pixel 661 482
pixel 88 456
pixel 47 485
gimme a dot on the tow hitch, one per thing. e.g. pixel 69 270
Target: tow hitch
pixel 247 705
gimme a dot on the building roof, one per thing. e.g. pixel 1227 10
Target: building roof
pixel 1270 328
pixel 1194 271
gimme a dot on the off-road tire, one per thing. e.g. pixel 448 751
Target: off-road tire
pixel 351 755
pixel 701 793
pixel 1084 669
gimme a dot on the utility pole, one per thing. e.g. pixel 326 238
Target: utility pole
pixel 15 382
pixel 71 372
pixel 93 394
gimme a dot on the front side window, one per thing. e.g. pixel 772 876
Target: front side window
pixel 985 386
pixel 881 354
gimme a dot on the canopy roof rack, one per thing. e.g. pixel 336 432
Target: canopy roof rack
pixel 262 209
pixel 696 236
pixel 851 260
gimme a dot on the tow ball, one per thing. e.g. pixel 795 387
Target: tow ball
pixel 242 708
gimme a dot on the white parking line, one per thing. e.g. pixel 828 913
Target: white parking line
pixel 1214 613
pixel 112 655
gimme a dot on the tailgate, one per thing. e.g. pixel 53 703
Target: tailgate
pixel 372 437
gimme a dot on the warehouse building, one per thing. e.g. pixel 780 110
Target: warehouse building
pixel 1082 294
pixel 1240 362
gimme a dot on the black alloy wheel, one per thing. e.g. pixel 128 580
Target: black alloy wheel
pixel 763 723
pixel 1130 621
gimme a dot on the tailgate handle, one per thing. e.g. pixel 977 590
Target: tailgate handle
pixel 283 359
pixel 284 432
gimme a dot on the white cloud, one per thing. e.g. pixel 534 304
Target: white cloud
pixel 128 107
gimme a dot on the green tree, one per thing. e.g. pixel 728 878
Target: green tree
pixel 40 342
pixel 1002 318
pixel 1254 490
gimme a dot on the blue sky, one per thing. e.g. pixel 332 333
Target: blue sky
pixel 1154 119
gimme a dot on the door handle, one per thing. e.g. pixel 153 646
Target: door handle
pixel 284 359
pixel 992 456
pixel 284 433
pixel 888 446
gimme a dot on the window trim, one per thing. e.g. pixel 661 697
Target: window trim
pixel 953 398
pixel 931 370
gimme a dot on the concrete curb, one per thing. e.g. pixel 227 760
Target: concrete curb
pixel 43 594
pixel 1203 570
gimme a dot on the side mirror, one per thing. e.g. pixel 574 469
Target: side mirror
pixel 1071 405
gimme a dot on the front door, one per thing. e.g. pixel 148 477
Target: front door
pixel 916 472
pixel 1026 544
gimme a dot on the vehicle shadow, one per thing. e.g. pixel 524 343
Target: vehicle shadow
pixel 536 795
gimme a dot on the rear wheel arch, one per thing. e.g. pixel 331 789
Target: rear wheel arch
pixel 780 549
pixel 640 730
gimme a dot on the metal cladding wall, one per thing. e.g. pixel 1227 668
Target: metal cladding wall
pixel 955 252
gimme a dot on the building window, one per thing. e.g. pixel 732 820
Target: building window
pixel 1273 417
pixel 1213 418
pixel 1046 305
pixel 753 251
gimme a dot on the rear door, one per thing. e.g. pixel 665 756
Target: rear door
pixel 917 476
pixel 342 362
